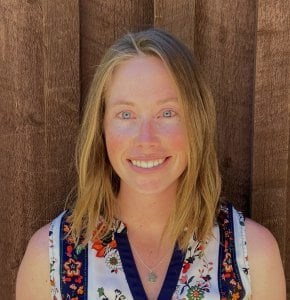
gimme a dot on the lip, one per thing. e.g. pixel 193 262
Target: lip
pixel 147 160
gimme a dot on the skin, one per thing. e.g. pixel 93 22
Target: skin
pixel 143 122
pixel 33 275
pixel 266 270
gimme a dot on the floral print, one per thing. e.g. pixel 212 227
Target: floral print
pixel 107 248
pixel 244 243
pixel 229 275
pixel 113 261
pixel 195 287
pixel 106 244
pixel 74 265
pixel 118 294
pixel 72 268
pixel 195 293
pixel 52 262
pixel 203 272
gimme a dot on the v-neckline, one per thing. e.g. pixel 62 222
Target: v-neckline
pixel 132 274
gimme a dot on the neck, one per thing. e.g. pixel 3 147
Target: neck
pixel 146 212
pixel 145 216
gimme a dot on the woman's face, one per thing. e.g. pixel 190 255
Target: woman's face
pixel 145 133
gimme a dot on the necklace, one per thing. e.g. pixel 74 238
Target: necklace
pixel 151 276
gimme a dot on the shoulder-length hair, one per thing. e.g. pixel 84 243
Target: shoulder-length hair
pixel 199 186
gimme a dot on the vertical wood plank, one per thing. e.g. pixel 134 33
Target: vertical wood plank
pixel 102 22
pixel 287 237
pixel 61 95
pixel 22 142
pixel 271 120
pixel 39 116
pixel 178 17
pixel 224 46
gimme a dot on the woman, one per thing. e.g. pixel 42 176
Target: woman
pixel 147 222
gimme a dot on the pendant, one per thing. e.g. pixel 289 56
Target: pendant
pixel 152 276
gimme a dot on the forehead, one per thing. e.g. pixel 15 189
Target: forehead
pixel 144 77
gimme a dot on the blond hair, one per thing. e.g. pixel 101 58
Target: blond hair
pixel 200 184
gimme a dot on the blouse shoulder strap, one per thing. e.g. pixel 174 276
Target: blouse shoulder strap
pixel 230 282
pixel 54 257
pixel 73 264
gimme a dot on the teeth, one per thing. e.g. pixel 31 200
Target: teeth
pixel 147 164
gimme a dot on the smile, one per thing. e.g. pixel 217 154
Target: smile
pixel 147 164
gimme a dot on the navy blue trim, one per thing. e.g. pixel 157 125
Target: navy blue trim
pixel 80 256
pixel 172 276
pixel 132 275
pixel 129 267
pixel 227 236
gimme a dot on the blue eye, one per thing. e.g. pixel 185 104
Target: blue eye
pixel 125 115
pixel 168 113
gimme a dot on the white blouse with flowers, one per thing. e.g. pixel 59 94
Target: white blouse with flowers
pixel 105 269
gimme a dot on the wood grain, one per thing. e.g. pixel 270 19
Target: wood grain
pixel 178 17
pixel 225 46
pixel 271 122
pixel 39 118
pixel 101 23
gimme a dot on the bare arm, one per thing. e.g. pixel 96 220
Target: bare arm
pixel 33 274
pixel 266 271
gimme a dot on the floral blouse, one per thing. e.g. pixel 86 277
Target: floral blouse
pixel 105 269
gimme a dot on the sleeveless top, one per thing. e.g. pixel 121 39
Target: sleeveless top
pixel 105 269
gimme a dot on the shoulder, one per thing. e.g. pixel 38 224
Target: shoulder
pixel 258 232
pixel 260 241
pixel 33 273
pixel 265 262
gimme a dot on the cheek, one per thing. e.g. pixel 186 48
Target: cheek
pixel 116 138
pixel 177 137
pixel 112 144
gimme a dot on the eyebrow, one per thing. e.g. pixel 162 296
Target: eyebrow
pixel 161 101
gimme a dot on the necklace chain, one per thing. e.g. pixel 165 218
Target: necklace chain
pixel 151 276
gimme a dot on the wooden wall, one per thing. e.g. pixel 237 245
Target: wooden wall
pixel 39 117
pixel 48 53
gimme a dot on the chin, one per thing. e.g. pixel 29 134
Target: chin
pixel 152 188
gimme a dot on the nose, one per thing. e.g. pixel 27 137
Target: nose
pixel 147 134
